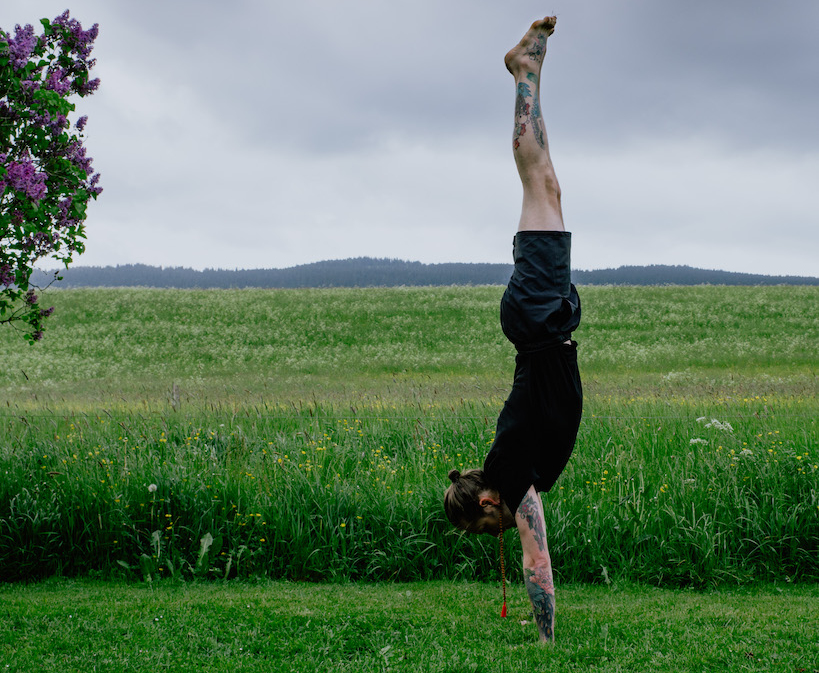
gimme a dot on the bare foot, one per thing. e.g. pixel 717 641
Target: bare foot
pixel 528 55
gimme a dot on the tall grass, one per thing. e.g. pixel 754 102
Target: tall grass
pixel 315 494
pixel 307 435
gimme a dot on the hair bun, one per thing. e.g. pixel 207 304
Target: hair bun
pixel 454 475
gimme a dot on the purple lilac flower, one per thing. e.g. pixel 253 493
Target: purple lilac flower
pixel 29 86
pixel 55 124
pixel 61 20
pixel 41 243
pixel 6 275
pixel 24 177
pixel 81 122
pixel 92 185
pixel 22 45
pixel 85 39
pixel 78 40
pixel 59 123
pixel 75 153
pixel 89 87
pixel 64 219
pixel 58 81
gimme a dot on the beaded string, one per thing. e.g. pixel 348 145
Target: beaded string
pixel 503 564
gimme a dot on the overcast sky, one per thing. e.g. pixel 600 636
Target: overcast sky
pixel 264 133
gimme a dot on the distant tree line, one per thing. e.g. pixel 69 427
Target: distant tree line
pixel 370 272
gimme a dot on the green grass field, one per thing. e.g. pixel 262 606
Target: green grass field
pixel 126 348
pixel 420 627
pixel 306 435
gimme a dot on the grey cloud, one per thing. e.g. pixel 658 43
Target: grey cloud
pixel 255 101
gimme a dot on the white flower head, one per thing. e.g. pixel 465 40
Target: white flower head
pixel 151 488
pixel 719 425
pixel 698 440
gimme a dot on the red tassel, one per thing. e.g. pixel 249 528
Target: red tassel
pixel 503 610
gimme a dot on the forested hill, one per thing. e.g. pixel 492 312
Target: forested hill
pixel 369 272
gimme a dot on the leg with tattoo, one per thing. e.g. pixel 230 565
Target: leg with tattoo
pixel 541 192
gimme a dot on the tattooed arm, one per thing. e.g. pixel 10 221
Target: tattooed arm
pixel 537 565
pixel 541 590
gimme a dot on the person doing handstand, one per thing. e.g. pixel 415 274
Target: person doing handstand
pixel 537 427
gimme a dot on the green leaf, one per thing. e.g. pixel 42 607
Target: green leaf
pixel 79 205
pixel 202 563
pixel 148 567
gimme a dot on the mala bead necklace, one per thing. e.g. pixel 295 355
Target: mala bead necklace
pixel 503 564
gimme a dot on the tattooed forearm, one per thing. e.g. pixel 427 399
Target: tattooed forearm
pixel 532 515
pixel 541 589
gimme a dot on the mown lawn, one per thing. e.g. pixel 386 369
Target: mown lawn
pixel 426 627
